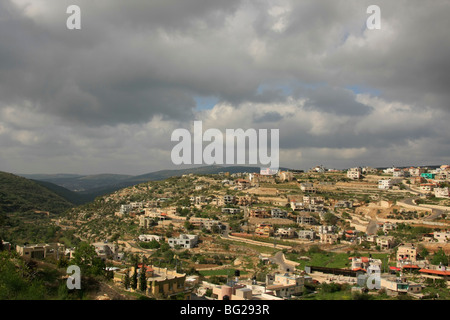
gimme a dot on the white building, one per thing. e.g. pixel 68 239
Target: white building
pixel 296 206
pixel 427 187
pixel 306 234
pixel 137 205
pixel 442 192
pixel 285 175
pixel 285 285
pixel 368 170
pixel 231 210
pixel 125 208
pixel 415 172
pixel 354 173
pixel 389 170
pixel 285 232
pixel 307 187
pixel 149 237
pixel 442 237
pixel 187 241
pixel 399 173
pixel 386 184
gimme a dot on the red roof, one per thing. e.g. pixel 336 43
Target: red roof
pixel 438 272
pixel 394 268
pixel 149 269
pixel 363 259
pixel 410 266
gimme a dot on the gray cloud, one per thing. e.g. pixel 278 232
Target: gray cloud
pixel 335 100
pixel 114 90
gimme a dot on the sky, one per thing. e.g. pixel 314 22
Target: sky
pixel 106 98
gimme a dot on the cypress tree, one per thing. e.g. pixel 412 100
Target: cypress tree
pixel 143 279
pixel 134 282
pixel 127 279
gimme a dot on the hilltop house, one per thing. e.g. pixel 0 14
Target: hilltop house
pixel 354 173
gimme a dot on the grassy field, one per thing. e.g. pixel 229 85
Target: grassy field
pixel 326 259
pixel 260 249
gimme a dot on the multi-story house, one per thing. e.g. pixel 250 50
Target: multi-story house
pixel 296 205
pixel 442 237
pixel 206 223
pixel 406 254
pixel 229 199
pixel 285 233
pixel 386 184
pixel 106 250
pixel 385 242
pixel 305 218
pixel 354 173
pixel 415 172
pixel 307 187
pixel 231 210
pixel 306 234
pixel 264 230
pixel 187 241
pixel 278 213
pixel 285 285
pixel 260 213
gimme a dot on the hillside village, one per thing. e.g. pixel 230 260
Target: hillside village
pixel 319 234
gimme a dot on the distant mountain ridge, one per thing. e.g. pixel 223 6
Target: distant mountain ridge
pixel 18 194
pixel 92 186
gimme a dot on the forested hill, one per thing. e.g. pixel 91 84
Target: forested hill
pixel 19 195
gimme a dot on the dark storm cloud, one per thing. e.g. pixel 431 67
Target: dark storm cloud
pixel 335 100
pixel 111 71
pixel 115 89
pixel 409 61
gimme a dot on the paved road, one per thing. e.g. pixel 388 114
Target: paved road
pixel 435 213
pixel 279 259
